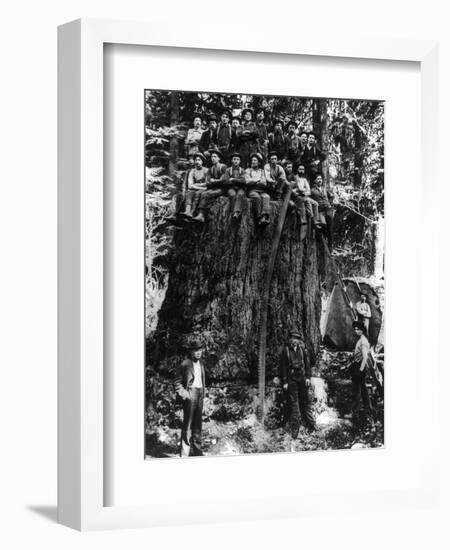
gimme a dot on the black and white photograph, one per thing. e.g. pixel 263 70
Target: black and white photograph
pixel 264 273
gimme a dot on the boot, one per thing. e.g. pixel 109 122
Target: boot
pixel 199 217
pixel 188 212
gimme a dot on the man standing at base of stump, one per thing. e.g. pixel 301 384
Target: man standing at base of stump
pixel 190 386
pixel 295 374
pixel 359 368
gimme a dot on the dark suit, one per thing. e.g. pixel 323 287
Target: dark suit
pixel 295 369
pixel 208 140
pixel 192 407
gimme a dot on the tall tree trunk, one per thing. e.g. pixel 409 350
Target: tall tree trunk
pixel 216 281
pixel 174 117
pixel 321 129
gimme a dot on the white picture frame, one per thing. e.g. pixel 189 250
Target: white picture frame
pixel 81 481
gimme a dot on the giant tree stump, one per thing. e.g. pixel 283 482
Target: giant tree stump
pixel 216 279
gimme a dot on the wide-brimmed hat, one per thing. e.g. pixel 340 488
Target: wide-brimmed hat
pixel 273 153
pixel 236 154
pixel 295 334
pixel 246 110
pixel 278 121
pixel 215 151
pixel 195 345
pixel 201 155
pixel 258 156
pixel 226 112
pixel 210 117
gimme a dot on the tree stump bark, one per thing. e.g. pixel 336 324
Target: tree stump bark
pixel 216 280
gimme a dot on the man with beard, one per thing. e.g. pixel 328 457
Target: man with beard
pixel 277 140
pixel 302 192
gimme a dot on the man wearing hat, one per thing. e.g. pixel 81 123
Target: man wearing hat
pixel 312 157
pixel 358 369
pixel 324 198
pixel 295 374
pixel 277 140
pixel 215 181
pixel 256 184
pixel 209 136
pixel 263 136
pixel 292 143
pixel 363 310
pixel 235 143
pixel 275 176
pixel 193 137
pixel 190 386
pixel 196 185
pixel 248 135
pixel 302 193
pixel 235 180
pixel 224 134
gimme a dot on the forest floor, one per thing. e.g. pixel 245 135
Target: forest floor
pixel 231 426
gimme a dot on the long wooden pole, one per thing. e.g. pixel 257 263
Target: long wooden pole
pixel 265 304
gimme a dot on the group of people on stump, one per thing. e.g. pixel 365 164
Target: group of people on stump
pixel 240 158
pixel 294 376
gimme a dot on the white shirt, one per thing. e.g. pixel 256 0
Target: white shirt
pixel 197 383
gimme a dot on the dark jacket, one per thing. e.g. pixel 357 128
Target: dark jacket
pixel 216 175
pixel 208 140
pixel 224 134
pixel 322 196
pixel 185 377
pixel 294 365
pixel 312 154
pixel 278 143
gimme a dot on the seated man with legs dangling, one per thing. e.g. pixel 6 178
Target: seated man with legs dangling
pixel 196 184
pixel 234 179
pixel 256 184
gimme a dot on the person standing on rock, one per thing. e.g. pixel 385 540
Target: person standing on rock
pixel 190 386
pixel 295 374
pixel 358 369
pixel 364 312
